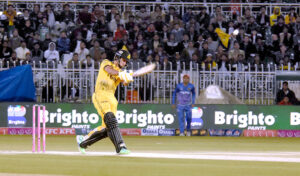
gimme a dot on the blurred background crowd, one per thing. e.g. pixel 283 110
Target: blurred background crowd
pixel 165 35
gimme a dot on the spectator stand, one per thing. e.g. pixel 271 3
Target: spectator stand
pixel 251 80
pixel 293 79
pixel 181 7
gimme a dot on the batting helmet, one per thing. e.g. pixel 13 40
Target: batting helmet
pixel 122 54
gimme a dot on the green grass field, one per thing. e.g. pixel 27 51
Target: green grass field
pixel 129 166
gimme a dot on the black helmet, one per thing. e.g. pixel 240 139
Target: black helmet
pixel 122 54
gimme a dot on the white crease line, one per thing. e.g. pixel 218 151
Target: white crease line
pixel 243 153
pixel 223 156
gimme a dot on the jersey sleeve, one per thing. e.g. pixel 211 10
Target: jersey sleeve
pixel 105 63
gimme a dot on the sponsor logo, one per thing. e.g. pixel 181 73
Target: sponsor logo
pixel 197 121
pixel 249 120
pixel 218 132
pixel 131 132
pixel 16 116
pixel 228 132
pixel 237 133
pixel 19 131
pixel 177 132
pixel 156 126
pixel 289 133
pixel 166 132
pixel 49 131
pixel 3 131
pixel 233 133
pixel 60 131
pixel 145 119
pixel 199 132
pixel 260 133
pixel 82 131
pixel 295 118
pixel 71 118
pixel 203 132
pixel 149 132
pixel 195 132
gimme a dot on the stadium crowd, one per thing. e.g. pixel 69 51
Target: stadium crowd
pixel 164 36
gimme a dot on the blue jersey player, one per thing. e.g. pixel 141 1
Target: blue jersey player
pixel 184 97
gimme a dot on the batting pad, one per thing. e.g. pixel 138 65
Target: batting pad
pixel 113 131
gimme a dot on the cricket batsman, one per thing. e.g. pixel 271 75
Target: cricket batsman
pixel 109 77
pixel 184 94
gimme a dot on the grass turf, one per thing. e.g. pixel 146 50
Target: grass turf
pixel 114 165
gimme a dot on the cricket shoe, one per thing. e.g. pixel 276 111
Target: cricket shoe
pixel 124 151
pixel 79 139
pixel 188 133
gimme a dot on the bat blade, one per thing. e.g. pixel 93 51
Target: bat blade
pixel 144 70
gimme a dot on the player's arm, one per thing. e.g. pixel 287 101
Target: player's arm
pixel 125 77
pixel 110 70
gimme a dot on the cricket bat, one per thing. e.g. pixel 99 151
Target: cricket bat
pixel 144 70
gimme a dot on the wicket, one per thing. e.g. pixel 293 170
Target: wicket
pixel 38 131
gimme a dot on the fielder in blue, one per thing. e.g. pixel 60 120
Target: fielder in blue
pixel 184 95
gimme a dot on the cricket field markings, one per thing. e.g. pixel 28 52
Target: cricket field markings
pixel 293 157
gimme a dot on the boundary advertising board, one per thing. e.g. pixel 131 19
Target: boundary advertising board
pixel 83 117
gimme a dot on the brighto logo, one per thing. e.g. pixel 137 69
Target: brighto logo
pixel 69 118
pixel 144 119
pixel 243 120
pixel 17 110
pixel 197 112
pixel 16 116
pixel 295 118
pixel 197 121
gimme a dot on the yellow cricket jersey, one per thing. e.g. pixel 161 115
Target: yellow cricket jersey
pixel 10 17
pixel 107 83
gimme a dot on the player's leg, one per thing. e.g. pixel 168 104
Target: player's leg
pixel 112 126
pixel 188 116
pixel 99 106
pixel 180 113
pixel 96 135
pixel 114 133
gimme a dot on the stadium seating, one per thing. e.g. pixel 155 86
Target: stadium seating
pixel 242 57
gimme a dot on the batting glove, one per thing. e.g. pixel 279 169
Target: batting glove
pixel 125 76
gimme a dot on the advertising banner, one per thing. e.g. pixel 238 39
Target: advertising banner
pixel 166 132
pixel 251 117
pixel 149 132
pixel 84 117
pixel 288 133
pixel 260 133
pixel 28 131
pixel 216 132
pixel 57 115
pixel 19 131
pixel 199 132
pixel 197 121
pixel 234 133
pixel 3 131
pixel 131 131
pixel 194 132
